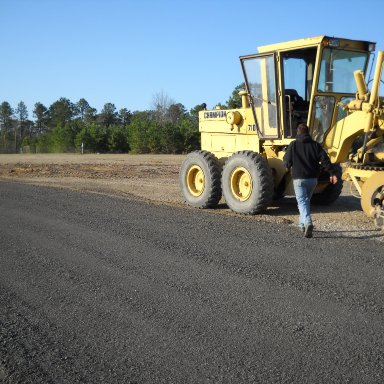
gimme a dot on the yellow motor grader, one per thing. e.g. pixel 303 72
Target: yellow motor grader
pixel 320 81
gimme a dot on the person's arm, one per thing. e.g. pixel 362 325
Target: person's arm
pixel 287 159
pixel 327 165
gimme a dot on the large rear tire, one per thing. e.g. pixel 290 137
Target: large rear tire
pixel 199 179
pixel 332 191
pixel 247 183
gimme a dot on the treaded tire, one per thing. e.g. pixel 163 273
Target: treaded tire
pixel 332 191
pixel 199 179
pixel 247 183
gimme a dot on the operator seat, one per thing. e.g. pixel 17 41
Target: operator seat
pixel 298 103
pixel 296 111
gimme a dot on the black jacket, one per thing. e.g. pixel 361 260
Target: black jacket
pixel 304 156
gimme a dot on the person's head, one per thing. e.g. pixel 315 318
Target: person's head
pixel 302 129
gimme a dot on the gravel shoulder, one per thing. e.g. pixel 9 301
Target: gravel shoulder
pixel 154 178
pixel 96 288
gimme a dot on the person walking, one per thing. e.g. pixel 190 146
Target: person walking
pixel 303 158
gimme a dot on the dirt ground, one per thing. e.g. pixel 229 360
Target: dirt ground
pixel 154 178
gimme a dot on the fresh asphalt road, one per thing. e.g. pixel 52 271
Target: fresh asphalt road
pixel 100 289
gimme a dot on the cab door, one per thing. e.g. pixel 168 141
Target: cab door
pixel 260 79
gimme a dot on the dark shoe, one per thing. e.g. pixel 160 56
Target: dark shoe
pixel 308 231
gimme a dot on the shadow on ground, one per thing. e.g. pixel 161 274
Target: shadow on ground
pixel 343 218
pixel 287 206
pixel 351 234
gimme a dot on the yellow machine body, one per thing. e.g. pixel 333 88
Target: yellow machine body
pixel 320 81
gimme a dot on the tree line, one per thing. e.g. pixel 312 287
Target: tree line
pixel 65 126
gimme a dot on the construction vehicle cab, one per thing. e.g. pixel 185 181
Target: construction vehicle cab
pixel 319 81
pixel 302 81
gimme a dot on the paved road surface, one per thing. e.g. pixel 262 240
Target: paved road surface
pixel 98 289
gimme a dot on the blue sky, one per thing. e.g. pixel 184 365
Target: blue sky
pixel 127 51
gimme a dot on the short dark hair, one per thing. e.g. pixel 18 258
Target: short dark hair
pixel 302 129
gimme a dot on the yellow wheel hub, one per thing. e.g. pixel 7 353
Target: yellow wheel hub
pixel 241 184
pixel 372 189
pixel 195 180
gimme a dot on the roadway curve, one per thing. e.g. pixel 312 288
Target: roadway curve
pixel 100 289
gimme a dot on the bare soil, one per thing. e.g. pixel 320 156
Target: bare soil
pixel 154 178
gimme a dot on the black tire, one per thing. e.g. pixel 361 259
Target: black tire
pixel 278 192
pixel 199 179
pixel 247 183
pixel 332 191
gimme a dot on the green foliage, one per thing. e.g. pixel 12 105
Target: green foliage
pixel 138 133
pixel 190 135
pixel 42 118
pixel 61 112
pixel 125 116
pixel 84 137
pixel 234 100
pixel 61 139
pixel 118 139
pixel 7 128
pixel 108 115
pixel 43 144
pixel 65 127
pixel 90 115
pixel 21 111
pixel 81 108
pixel 6 113
pixel 99 136
pixel 194 112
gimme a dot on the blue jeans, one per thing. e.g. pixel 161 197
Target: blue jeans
pixel 303 191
